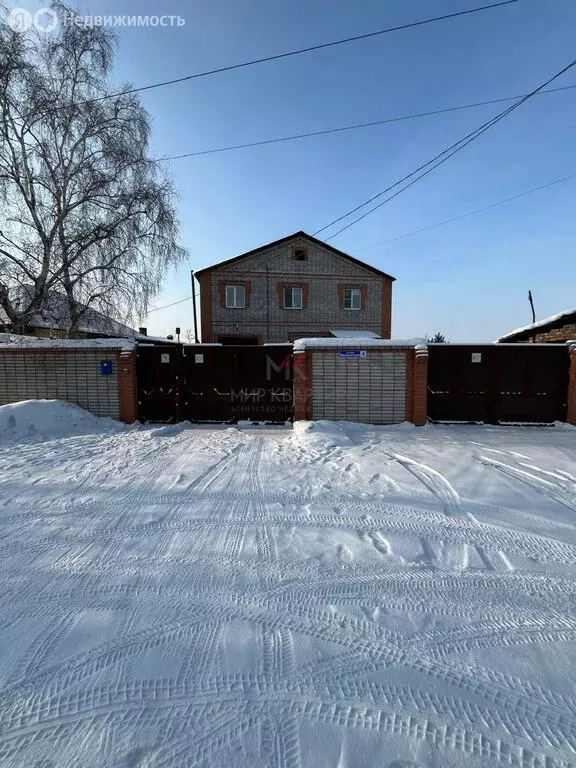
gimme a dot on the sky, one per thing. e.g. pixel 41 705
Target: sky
pixel 468 279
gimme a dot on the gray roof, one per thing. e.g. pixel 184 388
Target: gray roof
pixel 55 315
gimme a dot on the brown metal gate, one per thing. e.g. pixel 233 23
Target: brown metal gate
pixel 213 383
pixel 157 368
pixel 498 383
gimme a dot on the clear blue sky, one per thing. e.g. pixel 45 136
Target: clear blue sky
pixel 468 279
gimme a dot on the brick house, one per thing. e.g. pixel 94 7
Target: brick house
pixel 552 330
pixel 292 288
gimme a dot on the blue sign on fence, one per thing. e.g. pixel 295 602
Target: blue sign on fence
pixel 106 367
pixel 352 353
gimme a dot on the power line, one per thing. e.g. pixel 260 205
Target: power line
pixel 358 125
pixel 438 159
pixel 157 309
pixel 300 51
pixel 470 213
pixel 425 229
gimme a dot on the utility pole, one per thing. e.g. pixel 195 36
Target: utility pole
pixel 196 341
pixel 531 300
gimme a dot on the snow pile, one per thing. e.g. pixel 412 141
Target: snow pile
pixel 48 419
pixel 337 434
pixel 326 433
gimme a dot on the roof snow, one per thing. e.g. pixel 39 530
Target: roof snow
pixel 31 342
pixel 302 344
pixel 568 313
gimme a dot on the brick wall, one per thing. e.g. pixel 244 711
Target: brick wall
pixel 387 385
pixel 566 333
pixel 322 276
pixel 73 375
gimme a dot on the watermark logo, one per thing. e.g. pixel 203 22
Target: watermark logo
pixel 46 19
pixel 21 20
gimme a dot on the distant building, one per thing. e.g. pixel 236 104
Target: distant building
pixel 292 288
pixel 553 330
pixel 53 321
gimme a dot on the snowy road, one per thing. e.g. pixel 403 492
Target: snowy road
pixel 340 596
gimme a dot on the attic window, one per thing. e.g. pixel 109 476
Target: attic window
pixel 300 254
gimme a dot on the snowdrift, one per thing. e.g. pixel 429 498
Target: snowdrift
pixel 337 434
pixel 49 419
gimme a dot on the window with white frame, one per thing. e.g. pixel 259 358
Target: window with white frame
pixel 292 298
pixel 352 298
pixel 235 296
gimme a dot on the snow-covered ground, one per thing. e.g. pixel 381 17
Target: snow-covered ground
pixel 335 596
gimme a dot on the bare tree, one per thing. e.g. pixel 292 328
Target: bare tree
pixel 86 211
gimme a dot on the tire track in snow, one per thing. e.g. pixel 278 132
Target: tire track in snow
pixel 438 529
pixel 515 726
pixel 553 490
pixel 405 591
pixel 457 725
pixel 200 659
pixel 494 633
pixel 450 555
pixel 359 643
pixel 55 705
pixel 515 684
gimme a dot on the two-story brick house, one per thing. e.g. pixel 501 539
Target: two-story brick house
pixel 294 287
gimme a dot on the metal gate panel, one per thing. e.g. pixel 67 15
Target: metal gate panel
pixel 234 383
pixel 157 369
pixel 530 383
pixel 498 383
pixel 213 383
pixel 457 387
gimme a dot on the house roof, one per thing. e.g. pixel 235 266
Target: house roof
pixel 55 315
pixel 283 240
pixel 554 321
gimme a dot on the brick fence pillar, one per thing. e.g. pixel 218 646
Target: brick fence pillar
pixel 302 386
pixel 420 390
pixel 571 417
pixel 127 391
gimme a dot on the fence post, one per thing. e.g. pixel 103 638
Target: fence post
pixel 302 383
pixel 420 391
pixel 127 387
pixel 571 417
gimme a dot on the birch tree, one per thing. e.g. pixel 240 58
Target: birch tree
pixel 85 210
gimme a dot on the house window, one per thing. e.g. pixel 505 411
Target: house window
pixel 300 254
pixel 292 298
pixel 352 298
pixel 235 296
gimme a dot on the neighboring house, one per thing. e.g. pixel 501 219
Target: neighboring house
pixel 553 330
pixel 53 321
pixel 292 288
